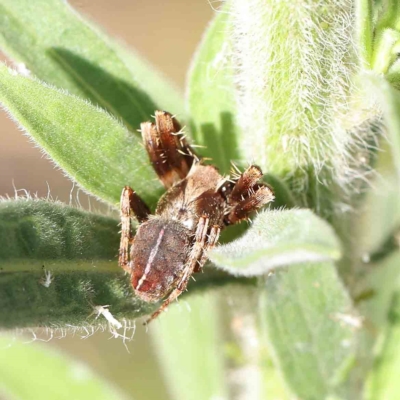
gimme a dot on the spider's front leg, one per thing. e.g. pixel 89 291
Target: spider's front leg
pixel 168 150
pixel 247 195
pixel 195 258
pixel 130 204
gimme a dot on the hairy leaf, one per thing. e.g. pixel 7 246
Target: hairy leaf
pixel 383 382
pixel 309 321
pixel 278 238
pixel 373 293
pixel 389 101
pixel 190 332
pixel 92 147
pixel 210 96
pixel 375 290
pixel 379 221
pixel 50 39
pixel 50 231
pixel 51 374
pixel 291 107
pixel 79 250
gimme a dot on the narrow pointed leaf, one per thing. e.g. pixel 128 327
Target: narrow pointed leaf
pixel 374 293
pixel 278 238
pixel 190 331
pixel 79 250
pixel 381 209
pixel 92 147
pixel 211 98
pixel 51 374
pixel 389 101
pixel 308 319
pixel 51 40
pixel 383 382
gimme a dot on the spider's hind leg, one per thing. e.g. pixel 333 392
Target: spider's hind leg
pixel 169 152
pixel 209 245
pixel 130 204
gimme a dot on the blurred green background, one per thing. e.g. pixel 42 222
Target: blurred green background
pixel 166 32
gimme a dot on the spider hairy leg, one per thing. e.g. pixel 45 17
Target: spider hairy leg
pixel 247 195
pixel 168 150
pixel 130 203
pixel 258 197
pixel 246 182
pixel 211 242
pixel 178 152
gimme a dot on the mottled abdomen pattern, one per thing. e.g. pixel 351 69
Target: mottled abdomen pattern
pixel 158 257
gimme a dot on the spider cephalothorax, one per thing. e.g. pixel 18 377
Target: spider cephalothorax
pixel 172 244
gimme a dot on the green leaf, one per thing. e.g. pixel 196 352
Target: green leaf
pixel 385 43
pixel 211 97
pixel 44 230
pixel 61 48
pixel 307 317
pixel 186 333
pixel 92 147
pixel 291 109
pixel 79 250
pixel 51 374
pixel 389 101
pixel 386 36
pixel 380 209
pixel 278 238
pixel 373 293
pixel 382 280
pixel 383 382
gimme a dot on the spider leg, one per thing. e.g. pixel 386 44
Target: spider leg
pixel 168 150
pixel 211 242
pixel 247 195
pixel 130 203
pixel 246 182
pixel 257 197
pixel 194 258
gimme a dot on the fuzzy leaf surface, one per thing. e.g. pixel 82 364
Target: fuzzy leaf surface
pixel 211 83
pixel 383 382
pixel 381 209
pixel 92 147
pixel 389 101
pixel 191 331
pixel 57 45
pixel 79 250
pixel 374 295
pixel 278 238
pixel 51 374
pixel 306 315
pixel 290 104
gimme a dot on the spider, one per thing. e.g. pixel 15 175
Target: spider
pixel 172 244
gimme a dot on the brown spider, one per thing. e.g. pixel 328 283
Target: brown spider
pixel 172 244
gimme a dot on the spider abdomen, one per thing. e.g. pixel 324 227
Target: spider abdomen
pixel 158 257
